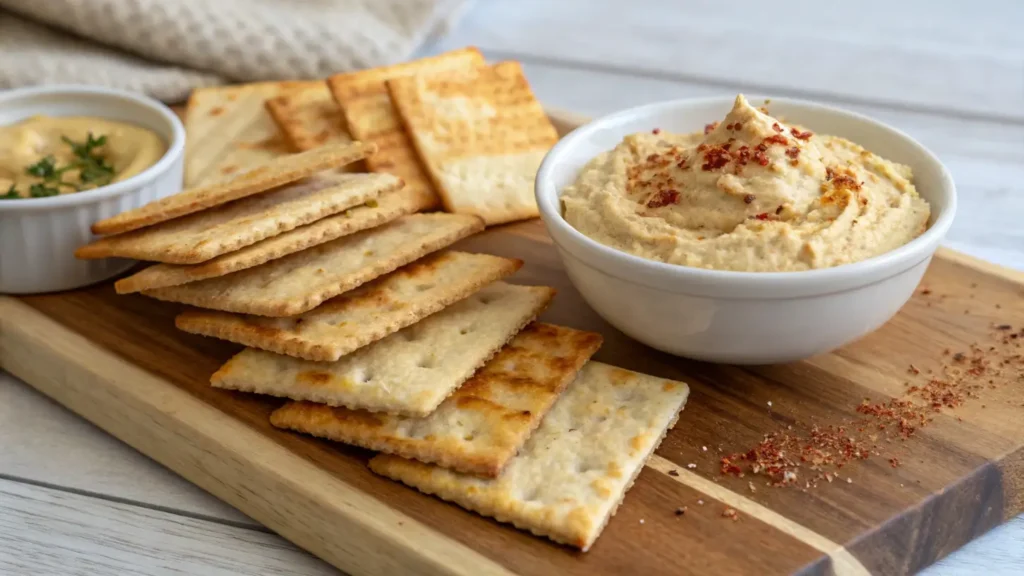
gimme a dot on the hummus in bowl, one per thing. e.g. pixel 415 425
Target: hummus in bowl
pixel 749 193
pixel 46 156
pixel 71 155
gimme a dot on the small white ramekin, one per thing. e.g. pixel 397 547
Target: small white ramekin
pixel 38 236
pixel 742 317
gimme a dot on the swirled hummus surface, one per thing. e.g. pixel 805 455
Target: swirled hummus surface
pixel 750 193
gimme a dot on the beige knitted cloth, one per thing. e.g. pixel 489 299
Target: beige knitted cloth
pixel 167 47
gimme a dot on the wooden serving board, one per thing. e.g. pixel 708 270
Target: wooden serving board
pixel 119 362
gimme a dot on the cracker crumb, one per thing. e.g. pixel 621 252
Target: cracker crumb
pixel 691 465
pixel 641 520
pixel 700 502
pixel 731 514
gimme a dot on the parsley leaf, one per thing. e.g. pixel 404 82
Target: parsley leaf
pixel 45 168
pixel 41 190
pixel 85 150
pixel 93 170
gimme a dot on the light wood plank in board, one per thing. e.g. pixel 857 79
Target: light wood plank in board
pixel 45 442
pixel 209 448
pixel 46 532
pixel 950 57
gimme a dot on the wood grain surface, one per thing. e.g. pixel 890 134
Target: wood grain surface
pixel 119 362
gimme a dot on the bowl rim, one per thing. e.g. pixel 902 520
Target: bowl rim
pixel 175 145
pixel 887 263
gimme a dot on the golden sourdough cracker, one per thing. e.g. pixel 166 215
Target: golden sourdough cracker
pixel 299 282
pixel 370 116
pixel 482 424
pixel 229 130
pixel 204 235
pixel 272 174
pixel 309 117
pixel 384 209
pixel 481 135
pixel 409 372
pixel 573 472
pixel 364 315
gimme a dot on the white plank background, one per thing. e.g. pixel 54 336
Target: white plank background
pixel 74 500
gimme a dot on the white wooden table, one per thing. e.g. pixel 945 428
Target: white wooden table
pixel 74 500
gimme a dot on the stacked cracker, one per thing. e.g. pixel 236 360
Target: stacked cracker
pixel 348 309
pixel 450 126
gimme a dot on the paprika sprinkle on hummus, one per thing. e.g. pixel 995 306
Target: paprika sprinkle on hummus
pixel 749 193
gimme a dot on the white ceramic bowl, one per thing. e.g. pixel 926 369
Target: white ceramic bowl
pixel 742 317
pixel 38 236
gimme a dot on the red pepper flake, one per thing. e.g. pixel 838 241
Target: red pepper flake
pixel 762 216
pixel 800 135
pixel 708 128
pixel 793 152
pixel 776 127
pixel 749 198
pixel 656 131
pixel 815 456
pixel 776 139
pixel 663 198
pixel 761 158
pixel 742 155
pixel 715 158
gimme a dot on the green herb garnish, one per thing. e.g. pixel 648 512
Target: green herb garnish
pixel 93 170
pixel 42 191
pixel 45 168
